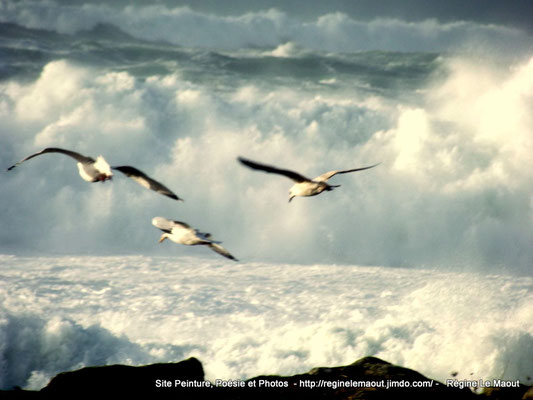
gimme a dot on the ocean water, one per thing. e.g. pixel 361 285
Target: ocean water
pixel 246 319
pixel 425 260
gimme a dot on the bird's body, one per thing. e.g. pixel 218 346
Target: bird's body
pixel 303 186
pixel 181 233
pixel 308 188
pixel 99 170
pixel 95 171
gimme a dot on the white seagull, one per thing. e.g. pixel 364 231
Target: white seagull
pixel 99 170
pixel 303 186
pixel 181 233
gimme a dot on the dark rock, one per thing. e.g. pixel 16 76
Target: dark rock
pixel 19 394
pixel 505 393
pixel 123 379
pixel 529 394
pixel 366 379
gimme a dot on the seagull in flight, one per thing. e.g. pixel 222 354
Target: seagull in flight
pixel 99 170
pixel 303 186
pixel 181 233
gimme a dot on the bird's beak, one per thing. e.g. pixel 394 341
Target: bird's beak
pixel 163 237
pixel 290 198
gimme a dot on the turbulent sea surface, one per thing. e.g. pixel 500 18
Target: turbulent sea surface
pixel 243 320
pixel 424 260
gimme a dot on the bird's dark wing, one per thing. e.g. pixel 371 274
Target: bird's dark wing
pixel 77 156
pixel 268 168
pixel 327 175
pixel 142 179
pixel 221 250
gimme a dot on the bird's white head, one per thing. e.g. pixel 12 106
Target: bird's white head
pixel 103 168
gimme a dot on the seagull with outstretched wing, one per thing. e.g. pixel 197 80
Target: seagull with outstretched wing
pixel 181 233
pixel 99 170
pixel 303 186
pixel 90 170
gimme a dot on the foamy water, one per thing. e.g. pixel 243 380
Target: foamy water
pixel 241 320
pixel 453 188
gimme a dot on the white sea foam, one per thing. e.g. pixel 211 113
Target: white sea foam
pixel 452 190
pixel 61 313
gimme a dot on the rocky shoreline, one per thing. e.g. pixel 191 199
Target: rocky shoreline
pixel 367 378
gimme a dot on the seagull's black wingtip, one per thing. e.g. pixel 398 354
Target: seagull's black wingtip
pixel 173 196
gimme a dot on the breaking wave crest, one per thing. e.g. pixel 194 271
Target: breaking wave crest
pixel 452 190
pixel 335 32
